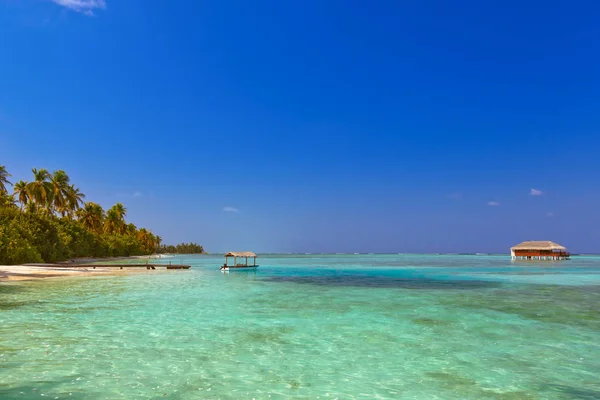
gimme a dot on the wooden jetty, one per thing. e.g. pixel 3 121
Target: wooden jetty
pixel 147 266
pixel 121 266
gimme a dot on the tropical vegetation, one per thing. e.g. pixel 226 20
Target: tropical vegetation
pixel 48 220
pixel 182 248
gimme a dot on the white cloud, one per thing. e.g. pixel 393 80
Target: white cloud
pixel 550 214
pixel 86 7
pixel 129 195
pixel 230 209
pixel 536 192
pixel 493 203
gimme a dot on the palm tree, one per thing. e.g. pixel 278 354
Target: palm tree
pixel 131 229
pixel 151 244
pixel 120 210
pixel 143 234
pixel 115 219
pixel 4 179
pixel 7 201
pixel 111 222
pixel 91 216
pixel 147 239
pixel 40 190
pixel 74 199
pixel 60 187
pixel 21 194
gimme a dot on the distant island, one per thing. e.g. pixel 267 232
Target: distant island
pixel 47 220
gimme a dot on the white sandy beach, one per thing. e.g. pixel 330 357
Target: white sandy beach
pixel 26 272
pixel 39 271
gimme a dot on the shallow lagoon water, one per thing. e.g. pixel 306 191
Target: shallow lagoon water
pixel 309 326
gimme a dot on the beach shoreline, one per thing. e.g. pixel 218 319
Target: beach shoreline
pixel 11 273
pixel 76 267
pixel 26 272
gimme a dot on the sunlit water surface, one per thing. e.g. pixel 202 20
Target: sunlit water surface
pixel 311 326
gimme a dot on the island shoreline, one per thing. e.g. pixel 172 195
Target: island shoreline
pixel 80 268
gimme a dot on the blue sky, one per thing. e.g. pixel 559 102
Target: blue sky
pixel 338 126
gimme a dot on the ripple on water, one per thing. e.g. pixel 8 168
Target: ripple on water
pixel 386 282
pixel 294 331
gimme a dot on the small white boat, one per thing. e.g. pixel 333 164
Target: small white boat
pixel 239 266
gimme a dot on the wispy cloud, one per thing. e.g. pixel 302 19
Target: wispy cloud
pixel 455 196
pixel 86 7
pixel 129 195
pixel 549 214
pixel 535 192
pixel 493 203
pixel 230 209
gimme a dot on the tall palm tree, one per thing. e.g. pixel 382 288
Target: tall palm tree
pixel 115 219
pixel 40 189
pixel 120 210
pixel 151 245
pixel 4 179
pixel 74 199
pixel 21 194
pixel 111 222
pixel 60 187
pixel 91 216
pixel 147 239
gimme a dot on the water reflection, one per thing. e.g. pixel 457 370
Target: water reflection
pixel 242 275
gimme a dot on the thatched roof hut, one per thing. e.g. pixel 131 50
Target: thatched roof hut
pixel 540 250
pixel 538 245
pixel 240 254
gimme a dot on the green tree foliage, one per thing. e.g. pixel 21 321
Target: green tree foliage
pixel 40 190
pixel 115 219
pixel 54 224
pixel 4 179
pixel 182 248
pixel 20 193
pixel 91 216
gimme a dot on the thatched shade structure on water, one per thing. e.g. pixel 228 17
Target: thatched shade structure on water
pixel 539 250
pixel 240 254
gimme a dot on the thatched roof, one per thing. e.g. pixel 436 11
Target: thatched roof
pixel 538 245
pixel 240 254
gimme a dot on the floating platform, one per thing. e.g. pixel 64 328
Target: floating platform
pixel 248 268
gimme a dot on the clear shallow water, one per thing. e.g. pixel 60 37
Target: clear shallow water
pixel 318 326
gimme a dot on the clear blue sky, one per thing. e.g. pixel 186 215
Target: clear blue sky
pixel 334 126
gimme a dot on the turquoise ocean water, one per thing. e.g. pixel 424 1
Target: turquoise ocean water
pixel 309 327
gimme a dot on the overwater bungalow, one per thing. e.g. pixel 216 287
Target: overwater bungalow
pixel 539 250
pixel 239 265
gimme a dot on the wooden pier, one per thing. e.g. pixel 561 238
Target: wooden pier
pixel 147 266
pixel 121 266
